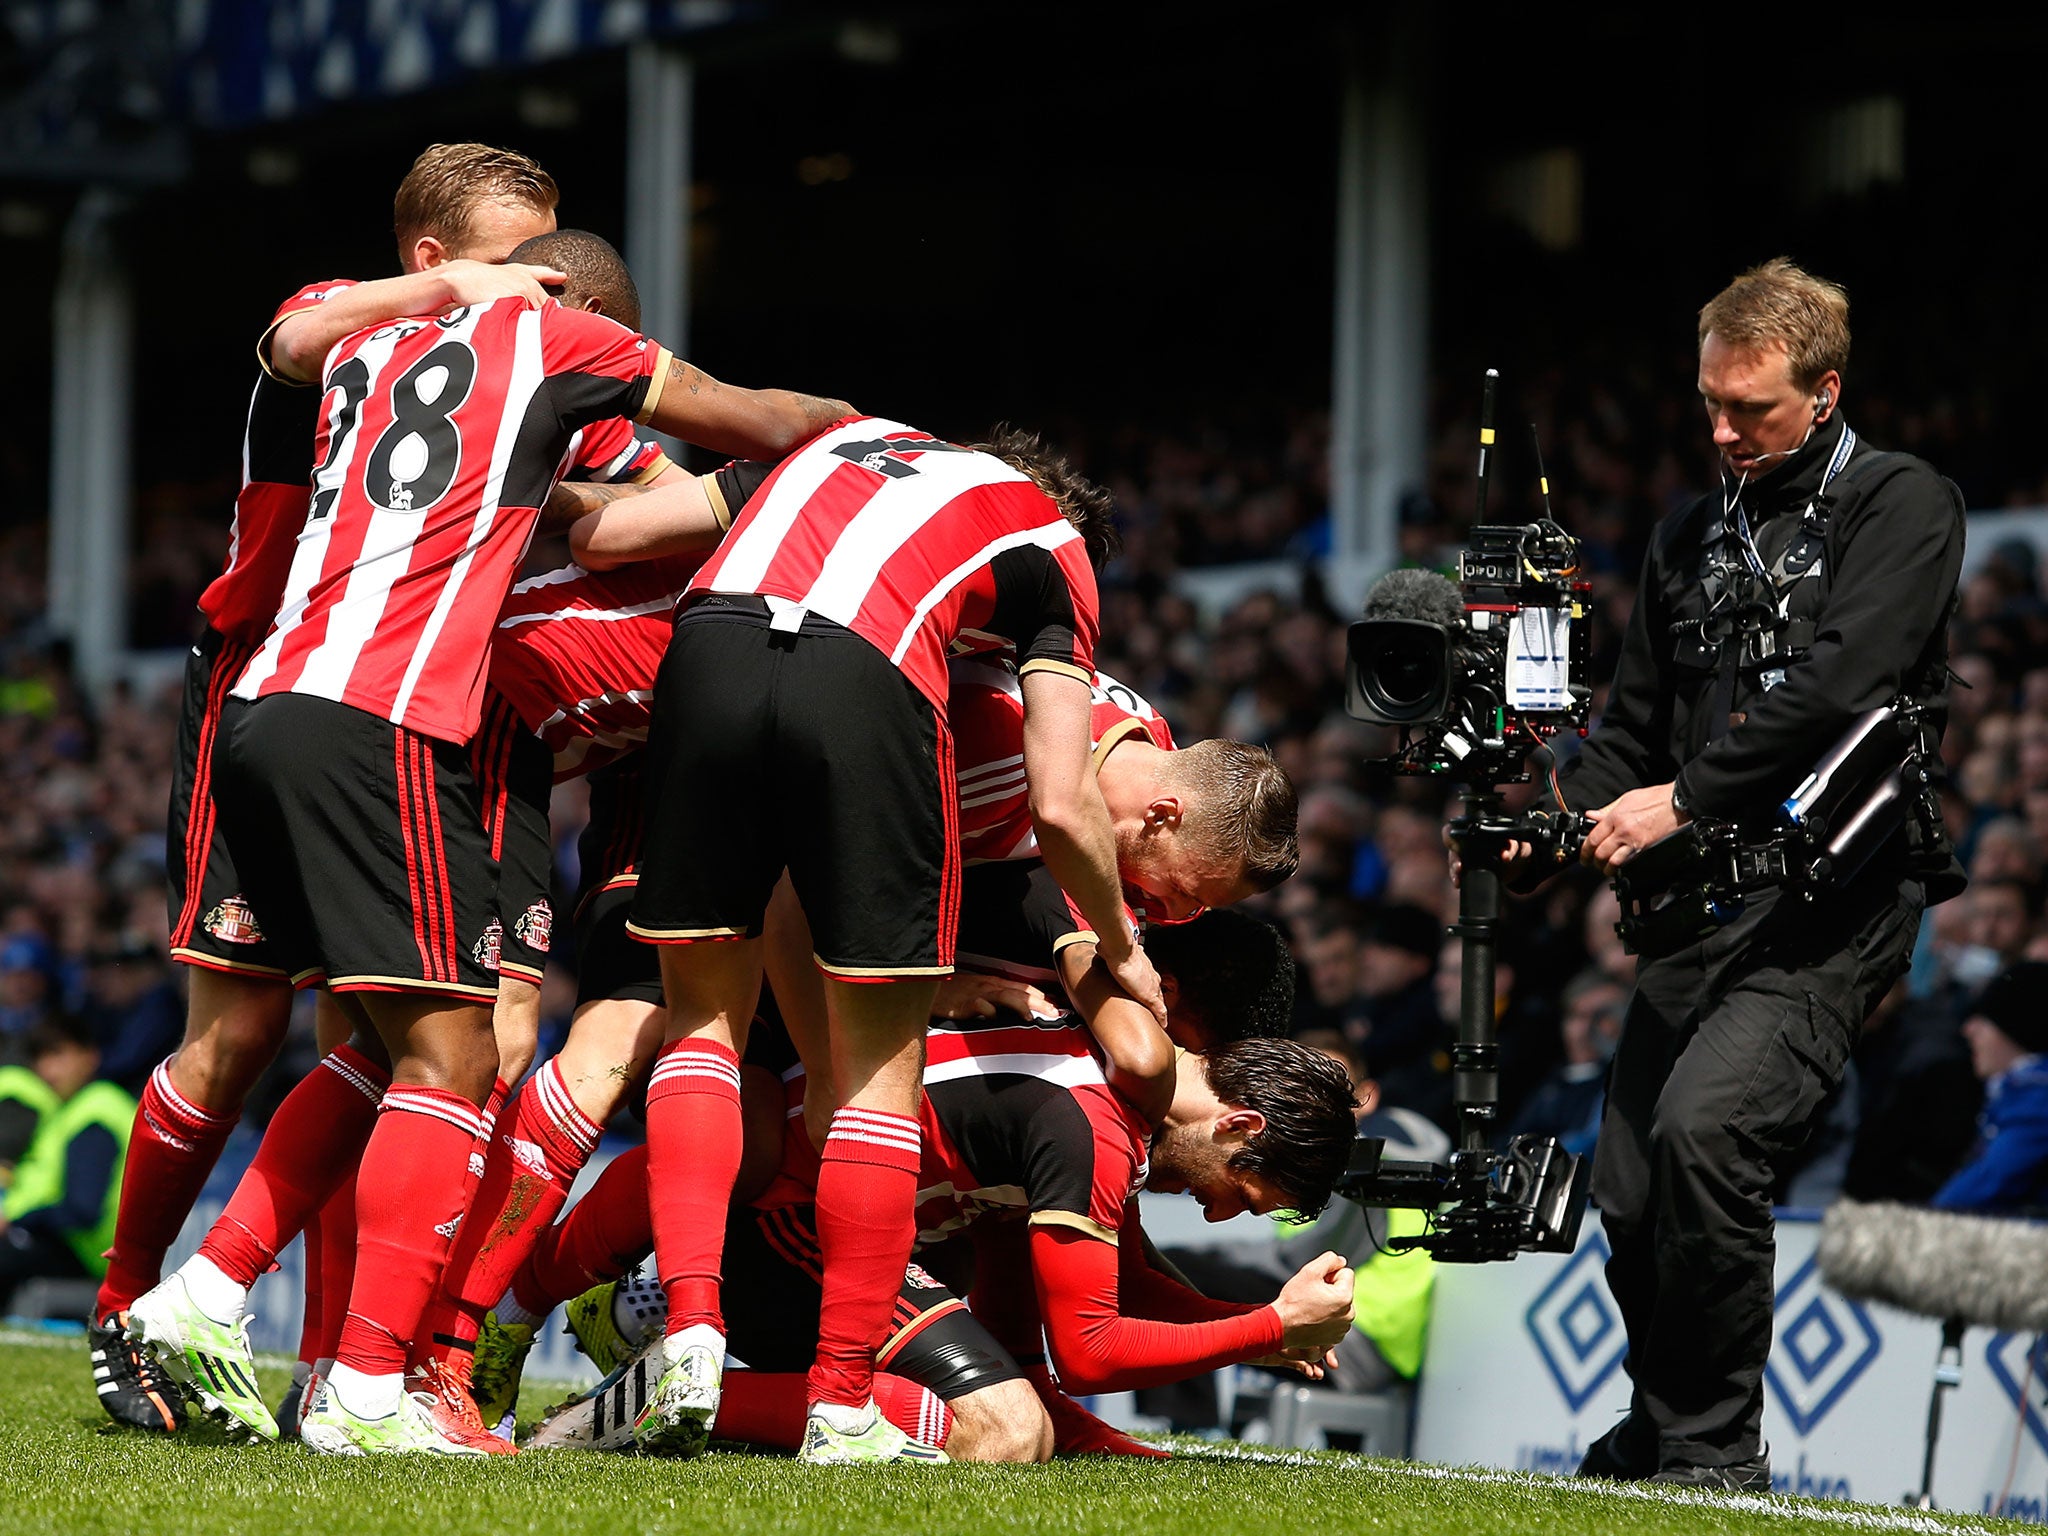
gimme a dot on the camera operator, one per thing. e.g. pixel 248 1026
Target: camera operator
pixel 1815 584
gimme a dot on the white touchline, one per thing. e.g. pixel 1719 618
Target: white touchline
pixel 1749 1503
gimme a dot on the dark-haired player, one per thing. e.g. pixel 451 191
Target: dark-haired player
pixel 1020 1122
pixel 347 794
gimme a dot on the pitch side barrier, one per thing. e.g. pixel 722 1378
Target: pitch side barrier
pixel 1524 1370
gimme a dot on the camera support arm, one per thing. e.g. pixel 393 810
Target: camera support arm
pixel 1483 837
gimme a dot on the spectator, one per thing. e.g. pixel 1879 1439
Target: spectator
pixel 24 990
pixel 58 1217
pixel 1567 1103
pixel 1395 1020
pixel 24 1099
pixel 133 1009
pixel 2007 1170
pixel 1329 953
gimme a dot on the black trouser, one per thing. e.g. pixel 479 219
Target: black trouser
pixel 1727 1052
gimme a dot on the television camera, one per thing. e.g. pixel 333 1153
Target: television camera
pixel 1473 676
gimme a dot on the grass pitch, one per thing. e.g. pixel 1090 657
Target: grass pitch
pixel 59 1473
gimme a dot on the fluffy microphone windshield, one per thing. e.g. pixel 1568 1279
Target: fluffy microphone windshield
pixel 1410 594
pixel 1986 1270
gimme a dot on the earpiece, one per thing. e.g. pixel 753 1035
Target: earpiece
pixel 1822 401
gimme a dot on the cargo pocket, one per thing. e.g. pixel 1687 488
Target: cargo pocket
pixel 1798 1070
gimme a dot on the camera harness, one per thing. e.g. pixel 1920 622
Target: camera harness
pixel 1748 619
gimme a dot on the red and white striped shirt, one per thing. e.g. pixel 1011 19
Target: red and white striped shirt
pixel 277 484
pixel 577 651
pixel 987 719
pixel 917 546
pixel 439 441
pixel 277 473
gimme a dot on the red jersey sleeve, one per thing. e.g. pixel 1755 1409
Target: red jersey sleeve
pixel 1146 1291
pixel 596 367
pixel 1097 1348
pixel 306 298
pixel 611 453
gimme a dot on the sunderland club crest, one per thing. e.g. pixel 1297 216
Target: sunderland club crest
pixel 232 922
pixel 536 926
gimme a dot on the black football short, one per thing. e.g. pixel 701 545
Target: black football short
pixel 808 751
pixel 363 846
pixel 212 922
pixel 610 964
pixel 515 779
pixel 770 1296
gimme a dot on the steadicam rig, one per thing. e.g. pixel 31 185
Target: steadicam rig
pixel 1474 677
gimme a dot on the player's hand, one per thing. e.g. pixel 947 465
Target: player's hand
pixel 481 282
pixel 1315 1306
pixel 1135 975
pixel 1625 827
pixel 971 995
pixel 1309 1364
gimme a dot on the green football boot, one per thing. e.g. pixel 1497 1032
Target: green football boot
pixel 499 1363
pixel 873 1440
pixel 208 1358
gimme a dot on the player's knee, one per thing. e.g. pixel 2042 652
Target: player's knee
pixel 1005 1422
pixel 233 1030
pixel 515 1022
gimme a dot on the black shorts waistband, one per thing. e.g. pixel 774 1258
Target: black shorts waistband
pixel 751 609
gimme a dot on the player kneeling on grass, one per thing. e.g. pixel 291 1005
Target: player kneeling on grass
pixel 1019 1123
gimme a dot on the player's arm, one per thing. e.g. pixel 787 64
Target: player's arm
pixel 1147 1291
pixel 747 423
pixel 295 347
pixel 1075 837
pixel 1140 1054
pixel 614 525
pixel 1098 1348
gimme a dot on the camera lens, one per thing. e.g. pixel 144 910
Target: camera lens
pixel 1400 671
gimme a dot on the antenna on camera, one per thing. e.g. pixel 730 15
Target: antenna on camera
pixel 1486 443
pixel 1542 478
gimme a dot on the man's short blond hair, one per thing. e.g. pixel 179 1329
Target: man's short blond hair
pixel 1780 304
pixel 1245 808
pixel 442 191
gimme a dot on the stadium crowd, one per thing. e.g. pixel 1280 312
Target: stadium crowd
pixel 83 929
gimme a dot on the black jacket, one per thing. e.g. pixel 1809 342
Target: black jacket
pixel 1879 600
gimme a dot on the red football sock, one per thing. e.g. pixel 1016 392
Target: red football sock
pixel 543 1145
pixel 313 1325
pixel 408 1204
pixel 338 1261
pixel 606 1234
pixel 867 1221
pixel 314 1141
pixel 172 1149
pixel 763 1408
pixel 919 1412
pixel 693 1157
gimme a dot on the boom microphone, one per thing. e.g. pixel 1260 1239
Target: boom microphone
pixel 1985 1270
pixel 1419 595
